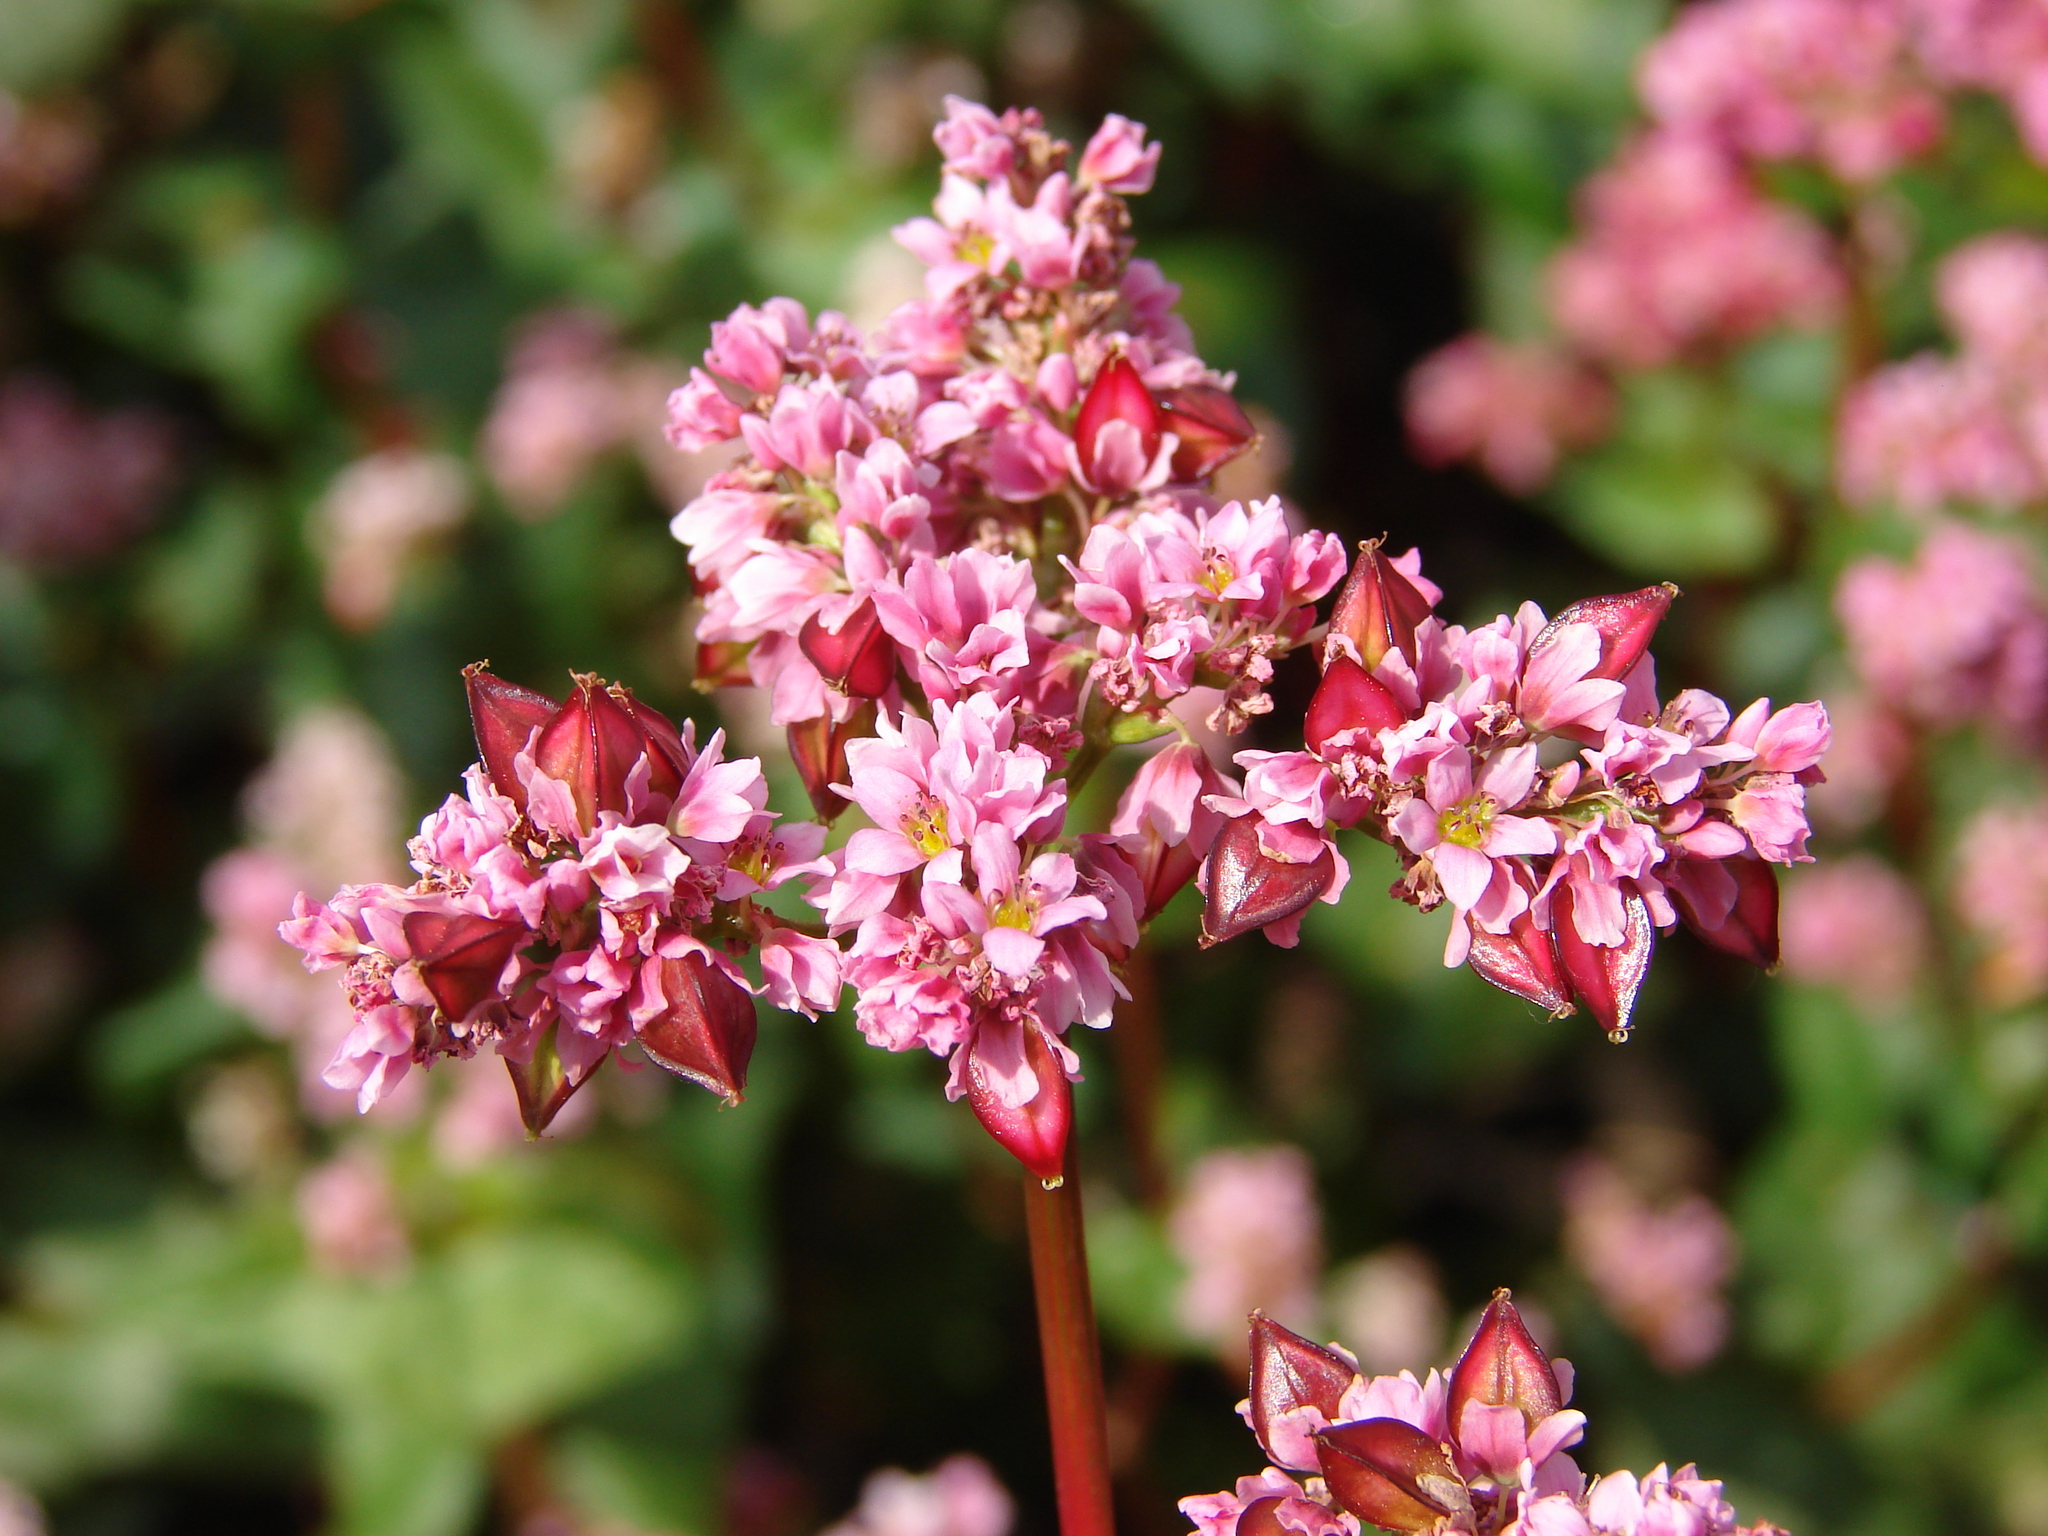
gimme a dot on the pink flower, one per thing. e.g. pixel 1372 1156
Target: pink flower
pixel 752 346
pixel 1460 823
pixel 966 617
pixel 350 1219
pixel 1514 410
pixel 1927 432
pixel 1858 925
pixel 958 1497
pixel 372 522
pixel 1118 159
pixel 1215 1514
pixel 561 406
pixel 1992 291
pixel 1660 1272
pixel 700 413
pixel 2001 894
pixel 1831 80
pixel 1248 1229
pixel 807 428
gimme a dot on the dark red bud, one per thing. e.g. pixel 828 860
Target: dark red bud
pixel 668 764
pixel 504 717
pixel 1261 1517
pixel 1289 1372
pixel 541 1084
pixel 1378 609
pixel 591 745
pixel 1626 621
pixel 722 664
pixel 1503 1366
pixel 1349 698
pixel 1523 961
pixel 706 1033
pixel 461 955
pixel 1391 1474
pixel 1605 981
pixel 818 748
pixel 1035 1132
pixel 858 658
pixel 1750 930
pixel 1118 394
pixel 1212 427
pixel 1249 888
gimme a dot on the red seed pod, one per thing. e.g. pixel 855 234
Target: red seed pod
pixel 1212 427
pixel 591 745
pixel 1523 961
pixel 504 717
pixel 1504 1367
pixel 722 664
pixel 1625 620
pixel 461 957
pixel 858 658
pixel 1261 1517
pixel 1349 698
pixel 1750 930
pixel 818 747
pixel 706 1033
pixel 1391 1474
pixel 668 764
pixel 1377 610
pixel 1118 394
pixel 1605 980
pixel 1289 1372
pixel 1248 888
pixel 1035 1132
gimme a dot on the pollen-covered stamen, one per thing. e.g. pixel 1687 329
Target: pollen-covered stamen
pixel 925 827
pixel 1466 822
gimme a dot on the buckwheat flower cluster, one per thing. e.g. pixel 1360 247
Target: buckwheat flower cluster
pixel 1515 410
pixel 2001 894
pixel 1482 1450
pixel 1857 924
pixel 1936 431
pixel 374 518
pixel 964 556
pixel 961 1496
pixel 1834 81
pixel 1449 744
pixel 1976 648
pixel 1680 255
pixel 1995 45
pixel 590 890
pixel 1249 1230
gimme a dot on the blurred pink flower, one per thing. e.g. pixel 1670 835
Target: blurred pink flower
pixel 1678 253
pixel 75 485
pixel 1658 1272
pixel 373 521
pixel 958 1497
pixel 1870 750
pixel 2001 894
pixel 1931 431
pixel 1513 409
pixel 1388 1307
pixel 1958 634
pixel 1998 45
pixel 1250 1231
pixel 1857 924
pixel 561 406
pixel 1828 80
pixel 349 1216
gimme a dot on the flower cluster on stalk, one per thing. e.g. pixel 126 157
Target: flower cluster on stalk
pixel 591 889
pixel 1527 774
pixel 1481 1450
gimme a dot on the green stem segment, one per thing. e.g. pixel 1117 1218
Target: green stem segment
pixel 1073 1361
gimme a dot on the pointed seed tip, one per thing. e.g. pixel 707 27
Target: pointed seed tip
pixel 1051 1184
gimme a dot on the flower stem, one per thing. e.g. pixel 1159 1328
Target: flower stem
pixel 1073 1361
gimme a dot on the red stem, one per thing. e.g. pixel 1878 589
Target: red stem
pixel 1073 1361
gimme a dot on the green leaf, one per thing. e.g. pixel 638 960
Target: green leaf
pixel 143 1047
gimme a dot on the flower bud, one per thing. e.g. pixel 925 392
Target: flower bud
pixel 1117 432
pixel 1523 961
pixel 504 717
pixel 668 764
pixel 722 664
pixel 706 1033
pixel 1377 610
pixel 1261 1517
pixel 1212 427
pixel 591 746
pixel 1349 698
pixel 818 747
pixel 857 658
pixel 541 1084
pixel 1504 1367
pixel 1391 1474
pixel 1625 620
pixel 1749 931
pixel 1605 980
pixel 1248 888
pixel 1288 1372
pixel 462 956
pixel 1034 1132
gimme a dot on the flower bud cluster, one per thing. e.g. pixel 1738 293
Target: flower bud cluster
pixel 1482 1450
pixel 1448 743
pixel 589 891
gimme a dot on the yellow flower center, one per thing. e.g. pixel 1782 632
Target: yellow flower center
pixel 1466 822
pixel 926 828
pixel 977 248
pixel 1013 911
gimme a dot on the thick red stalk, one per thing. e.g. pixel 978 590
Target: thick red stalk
pixel 1073 1361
